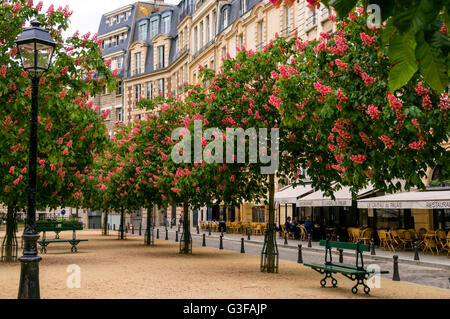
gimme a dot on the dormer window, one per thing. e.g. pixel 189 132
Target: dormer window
pixel 243 6
pixel 143 30
pixel 165 24
pixel 154 28
pixel 226 16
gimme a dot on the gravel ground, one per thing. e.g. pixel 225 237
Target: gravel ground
pixel 111 269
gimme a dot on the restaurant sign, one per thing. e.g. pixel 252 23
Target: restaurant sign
pixel 405 205
pixel 324 203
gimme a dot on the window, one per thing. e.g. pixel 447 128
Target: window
pixel 288 18
pixel 224 52
pixel 137 63
pixel 213 64
pixel 161 87
pixel 214 17
pixel 261 33
pixel 259 214
pixel 119 88
pixel 149 90
pixel 127 15
pixel 166 24
pixel 119 62
pixel 201 35
pixel 119 116
pixel 243 6
pixel 207 30
pixel 143 29
pixel 154 28
pixel 195 40
pixel 137 92
pixel 161 57
pixel 225 14
pixel 240 40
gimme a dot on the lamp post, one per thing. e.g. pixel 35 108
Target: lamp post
pixel 36 48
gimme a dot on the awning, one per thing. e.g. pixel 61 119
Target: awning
pixel 343 198
pixel 409 200
pixel 289 194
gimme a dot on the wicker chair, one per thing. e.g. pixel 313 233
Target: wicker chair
pixel 430 243
pixel 385 240
pixel 366 236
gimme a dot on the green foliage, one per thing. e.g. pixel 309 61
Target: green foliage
pixel 70 132
pixel 409 21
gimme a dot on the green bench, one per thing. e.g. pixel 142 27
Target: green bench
pixel 73 242
pixel 355 272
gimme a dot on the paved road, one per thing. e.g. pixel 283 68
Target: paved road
pixel 429 276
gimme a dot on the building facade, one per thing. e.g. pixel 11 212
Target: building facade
pixel 158 48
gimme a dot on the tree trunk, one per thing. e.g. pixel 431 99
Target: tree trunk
pixel 186 247
pixel 269 261
pixel 122 222
pixel 105 224
pixel 148 231
pixel 10 240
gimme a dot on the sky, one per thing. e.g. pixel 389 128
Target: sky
pixel 87 13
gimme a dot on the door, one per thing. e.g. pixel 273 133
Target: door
pixel 95 222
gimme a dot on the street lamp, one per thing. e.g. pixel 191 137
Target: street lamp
pixel 36 48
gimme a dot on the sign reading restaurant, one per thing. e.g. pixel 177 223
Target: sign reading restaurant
pixel 405 204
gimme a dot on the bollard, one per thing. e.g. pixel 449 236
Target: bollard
pixel 140 229
pixel 248 233
pixel 416 250
pixel 309 241
pixel 204 240
pixel 300 257
pixel 396 276
pixel 167 234
pixel 198 230
pixel 221 243
pixel 285 238
pixel 341 255
pixel 372 252
pixel 176 236
pixel 209 230
pixel 132 229
pixel 157 233
pixel 114 227
pixel 242 246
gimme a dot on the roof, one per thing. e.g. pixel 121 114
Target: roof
pixel 409 200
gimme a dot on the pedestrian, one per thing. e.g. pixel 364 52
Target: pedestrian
pixel 181 218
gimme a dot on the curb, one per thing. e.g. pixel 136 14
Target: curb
pixel 366 257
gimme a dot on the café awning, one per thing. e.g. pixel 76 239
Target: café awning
pixel 409 200
pixel 343 198
pixel 289 194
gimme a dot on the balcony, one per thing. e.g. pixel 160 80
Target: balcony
pixel 203 48
pixel 325 13
pixel 285 32
pixel 180 53
pixel 311 21
pixel 260 46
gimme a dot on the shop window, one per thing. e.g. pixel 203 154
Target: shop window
pixel 259 214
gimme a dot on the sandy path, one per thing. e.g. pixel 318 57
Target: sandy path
pixel 128 269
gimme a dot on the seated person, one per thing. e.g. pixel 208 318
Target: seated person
pixel 308 225
pixel 290 227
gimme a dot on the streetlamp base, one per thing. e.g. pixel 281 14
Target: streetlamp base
pixel 29 271
pixel 29 277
